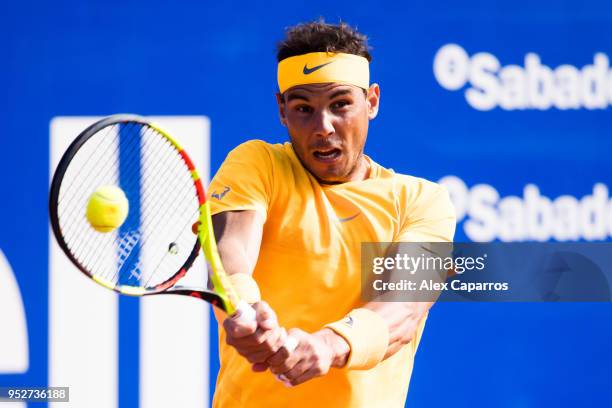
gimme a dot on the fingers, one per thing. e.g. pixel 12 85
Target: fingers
pixel 309 374
pixel 266 318
pixel 288 355
pixel 294 357
pixel 304 371
pixel 311 358
pixel 256 340
pixel 260 367
pixel 237 329
pixel 268 347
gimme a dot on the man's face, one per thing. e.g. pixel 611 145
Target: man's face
pixel 328 125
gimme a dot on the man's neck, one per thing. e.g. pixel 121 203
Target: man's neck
pixel 360 172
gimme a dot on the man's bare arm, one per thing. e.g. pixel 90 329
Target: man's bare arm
pixel 239 235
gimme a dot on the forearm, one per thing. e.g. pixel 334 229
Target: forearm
pixel 238 235
pixel 397 322
pixel 402 320
pixel 234 257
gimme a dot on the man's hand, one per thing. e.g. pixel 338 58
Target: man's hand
pixel 315 354
pixel 258 340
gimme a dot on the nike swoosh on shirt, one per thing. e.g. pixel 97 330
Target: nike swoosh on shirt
pixel 308 71
pixel 352 217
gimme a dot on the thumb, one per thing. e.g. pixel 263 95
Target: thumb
pixel 259 367
pixel 266 318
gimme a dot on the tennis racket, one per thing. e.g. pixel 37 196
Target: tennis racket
pixel 156 245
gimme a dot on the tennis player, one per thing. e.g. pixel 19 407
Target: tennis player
pixel 290 219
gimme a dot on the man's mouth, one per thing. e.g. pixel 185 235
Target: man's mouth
pixel 327 155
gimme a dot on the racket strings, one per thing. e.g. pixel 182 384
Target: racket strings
pixel 173 171
pixel 91 180
pixel 73 202
pixel 157 268
pixel 94 172
pixel 81 201
pixel 129 169
pixel 148 225
pixel 128 164
pixel 96 150
pixel 132 270
pixel 154 173
pixel 183 204
pixel 97 155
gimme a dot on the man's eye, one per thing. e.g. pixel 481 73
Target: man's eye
pixel 303 109
pixel 340 104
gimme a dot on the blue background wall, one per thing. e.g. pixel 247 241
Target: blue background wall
pixel 217 59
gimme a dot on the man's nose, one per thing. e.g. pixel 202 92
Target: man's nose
pixel 323 126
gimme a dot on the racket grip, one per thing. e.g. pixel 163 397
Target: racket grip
pixel 244 312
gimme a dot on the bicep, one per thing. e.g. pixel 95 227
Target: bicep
pixel 238 235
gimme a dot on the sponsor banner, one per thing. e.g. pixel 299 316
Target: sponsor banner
pixel 487 216
pixel 533 85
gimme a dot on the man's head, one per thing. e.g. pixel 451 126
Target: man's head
pixel 328 101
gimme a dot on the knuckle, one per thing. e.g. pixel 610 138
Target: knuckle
pixel 258 339
pixel 252 359
pixel 229 325
pixel 284 352
pixel 271 344
pixel 276 360
pixel 258 359
pixel 261 307
pixel 277 369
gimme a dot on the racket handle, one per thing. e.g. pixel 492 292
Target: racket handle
pixel 244 312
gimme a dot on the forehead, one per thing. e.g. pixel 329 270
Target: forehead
pixel 324 91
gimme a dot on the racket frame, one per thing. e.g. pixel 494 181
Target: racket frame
pixel 223 294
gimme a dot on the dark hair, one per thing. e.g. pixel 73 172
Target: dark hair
pixel 318 36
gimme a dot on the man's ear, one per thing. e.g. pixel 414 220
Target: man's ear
pixel 373 100
pixel 281 109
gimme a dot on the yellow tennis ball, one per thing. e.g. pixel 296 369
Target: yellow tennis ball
pixel 107 208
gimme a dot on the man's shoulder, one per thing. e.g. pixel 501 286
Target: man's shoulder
pixel 407 182
pixel 415 188
pixel 260 149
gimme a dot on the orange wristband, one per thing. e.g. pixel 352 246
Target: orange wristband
pixel 368 336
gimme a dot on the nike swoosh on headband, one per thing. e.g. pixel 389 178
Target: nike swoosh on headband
pixel 308 71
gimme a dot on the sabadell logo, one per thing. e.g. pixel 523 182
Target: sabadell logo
pixel 533 85
pixel 487 216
